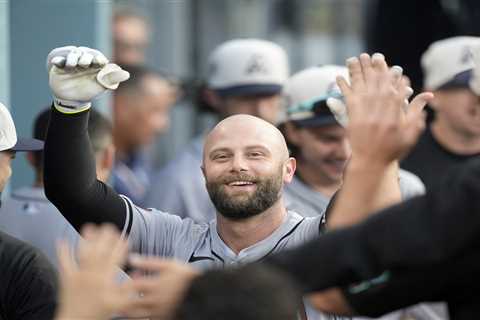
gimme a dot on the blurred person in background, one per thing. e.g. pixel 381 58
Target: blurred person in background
pixel 27 280
pixel 131 38
pixel 245 76
pixel 141 111
pixel 28 215
pixel 454 135
pixel 319 143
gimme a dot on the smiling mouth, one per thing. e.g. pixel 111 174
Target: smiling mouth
pixel 240 183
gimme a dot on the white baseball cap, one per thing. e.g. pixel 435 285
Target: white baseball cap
pixel 448 63
pixel 8 135
pixel 307 91
pixel 247 67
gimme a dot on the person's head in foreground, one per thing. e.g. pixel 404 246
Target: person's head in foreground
pixel 316 139
pixel 245 164
pixel 246 76
pixel 10 144
pixel 448 68
pixel 254 292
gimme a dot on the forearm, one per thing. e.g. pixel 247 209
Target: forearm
pixel 420 232
pixel 70 177
pixel 367 187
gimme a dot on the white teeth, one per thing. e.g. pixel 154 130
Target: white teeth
pixel 240 183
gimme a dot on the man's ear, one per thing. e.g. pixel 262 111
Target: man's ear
pixel 290 167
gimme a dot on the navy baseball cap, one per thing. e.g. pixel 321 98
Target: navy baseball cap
pixel 8 135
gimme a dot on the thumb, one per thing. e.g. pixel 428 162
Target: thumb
pixel 419 102
pixel 111 75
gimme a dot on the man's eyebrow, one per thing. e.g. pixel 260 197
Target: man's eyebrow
pixel 222 149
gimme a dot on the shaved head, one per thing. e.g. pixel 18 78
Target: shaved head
pixel 248 128
pixel 245 164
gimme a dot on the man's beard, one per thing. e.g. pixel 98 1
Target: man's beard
pixel 267 192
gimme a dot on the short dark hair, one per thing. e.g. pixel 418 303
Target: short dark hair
pixel 99 131
pixel 251 292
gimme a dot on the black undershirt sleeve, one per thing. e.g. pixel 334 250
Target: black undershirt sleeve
pixel 423 231
pixel 70 176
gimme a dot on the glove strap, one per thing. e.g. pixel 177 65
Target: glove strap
pixel 70 107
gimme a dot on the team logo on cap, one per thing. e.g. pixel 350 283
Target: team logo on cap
pixel 256 64
pixel 466 56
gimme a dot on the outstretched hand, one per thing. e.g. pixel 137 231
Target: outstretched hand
pixel 89 287
pixel 382 127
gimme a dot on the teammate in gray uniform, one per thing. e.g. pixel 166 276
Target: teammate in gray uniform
pixel 320 143
pixel 245 76
pixel 29 216
pixel 245 164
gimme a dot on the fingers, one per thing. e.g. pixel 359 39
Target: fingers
pixel 101 247
pixel 355 73
pixel 152 263
pixel 419 102
pixel 72 57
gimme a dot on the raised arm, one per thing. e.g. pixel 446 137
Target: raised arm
pixel 76 76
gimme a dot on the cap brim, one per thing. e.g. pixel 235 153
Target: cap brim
pixel 461 80
pixel 247 90
pixel 319 121
pixel 26 144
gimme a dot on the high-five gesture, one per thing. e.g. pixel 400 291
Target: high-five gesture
pixel 79 74
pixel 382 127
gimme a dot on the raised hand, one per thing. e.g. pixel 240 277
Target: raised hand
pixel 382 127
pixel 89 288
pixel 79 74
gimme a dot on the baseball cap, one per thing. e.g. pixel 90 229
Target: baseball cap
pixel 8 135
pixel 247 67
pixel 306 94
pixel 448 63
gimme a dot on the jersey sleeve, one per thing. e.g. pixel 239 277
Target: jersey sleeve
pixel 153 232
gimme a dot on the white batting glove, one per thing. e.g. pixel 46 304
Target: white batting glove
pixel 77 75
pixel 339 109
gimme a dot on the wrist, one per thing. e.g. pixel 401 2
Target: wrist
pixel 70 107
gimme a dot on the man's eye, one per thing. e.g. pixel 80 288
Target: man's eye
pixel 256 154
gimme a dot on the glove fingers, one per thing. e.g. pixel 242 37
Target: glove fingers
pixel 58 61
pixel 58 52
pixel 99 60
pixel 85 60
pixel 72 58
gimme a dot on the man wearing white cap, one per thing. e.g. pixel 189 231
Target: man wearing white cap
pixel 454 135
pixel 319 142
pixel 245 76
pixel 27 280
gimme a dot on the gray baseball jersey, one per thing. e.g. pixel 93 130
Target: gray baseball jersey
pixel 29 216
pixel 307 202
